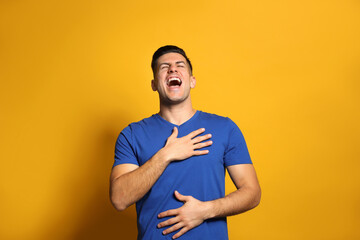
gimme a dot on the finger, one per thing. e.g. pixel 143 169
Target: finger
pixel 201 138
pixel 196 132
pixel 173 228
pixel 202 145
pixel 167 213
pixel 181 197
pixel 200 152
pixel 168 222
pixel 181 232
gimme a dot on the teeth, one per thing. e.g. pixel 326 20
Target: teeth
pixel 170 80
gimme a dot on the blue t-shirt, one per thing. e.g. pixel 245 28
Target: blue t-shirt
pixel 202 177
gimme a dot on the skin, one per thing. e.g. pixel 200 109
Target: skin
pixel 129 182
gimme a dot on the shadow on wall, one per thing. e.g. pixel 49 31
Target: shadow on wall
pixel 100 220
pixel 91 215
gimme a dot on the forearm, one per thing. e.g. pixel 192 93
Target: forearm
pixel 132 186
pixel 194 211
pixel 239 201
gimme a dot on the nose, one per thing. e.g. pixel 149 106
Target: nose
pixel 172 69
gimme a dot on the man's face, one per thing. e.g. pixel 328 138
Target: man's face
pixel 172 78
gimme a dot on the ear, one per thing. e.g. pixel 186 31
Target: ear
pixel 192 81
pixel 153 85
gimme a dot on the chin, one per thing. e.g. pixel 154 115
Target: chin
pixel 173 100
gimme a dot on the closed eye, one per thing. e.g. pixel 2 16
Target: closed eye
pixel 164 66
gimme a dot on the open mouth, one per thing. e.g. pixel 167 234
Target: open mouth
pixel 174 81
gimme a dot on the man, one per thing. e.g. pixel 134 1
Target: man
pixel 172 164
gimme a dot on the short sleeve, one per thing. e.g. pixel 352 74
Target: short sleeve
pixel 236 151
pixel 124 148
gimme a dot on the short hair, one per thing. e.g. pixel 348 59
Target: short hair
pixel 168 49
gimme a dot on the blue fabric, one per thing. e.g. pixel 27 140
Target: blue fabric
pixel 202 177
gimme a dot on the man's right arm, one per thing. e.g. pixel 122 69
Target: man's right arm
pixel 129 182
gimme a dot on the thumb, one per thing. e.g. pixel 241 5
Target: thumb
pixel 175 132
pixel 180 197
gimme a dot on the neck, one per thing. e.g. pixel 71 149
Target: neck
pixel 178 113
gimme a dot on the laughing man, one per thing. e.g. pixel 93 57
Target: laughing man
pixel 172 164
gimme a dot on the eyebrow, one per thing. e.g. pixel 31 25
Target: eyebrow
pixel 165 63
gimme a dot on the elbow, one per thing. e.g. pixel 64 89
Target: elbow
pixel 119 207
pixel 254 197
pixel 118 197
pixel 118 200
pixel 118 204
pixel 257 197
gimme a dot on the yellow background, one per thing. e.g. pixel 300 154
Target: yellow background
pixel 75 73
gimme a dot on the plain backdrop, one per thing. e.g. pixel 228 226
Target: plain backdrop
pixel 75 73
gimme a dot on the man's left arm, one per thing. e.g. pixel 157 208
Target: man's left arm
pixel 194 212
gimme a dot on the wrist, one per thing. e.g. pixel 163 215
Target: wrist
pixel 208 209
pixel 164 156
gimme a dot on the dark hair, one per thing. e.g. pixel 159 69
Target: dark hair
pixel 168 49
